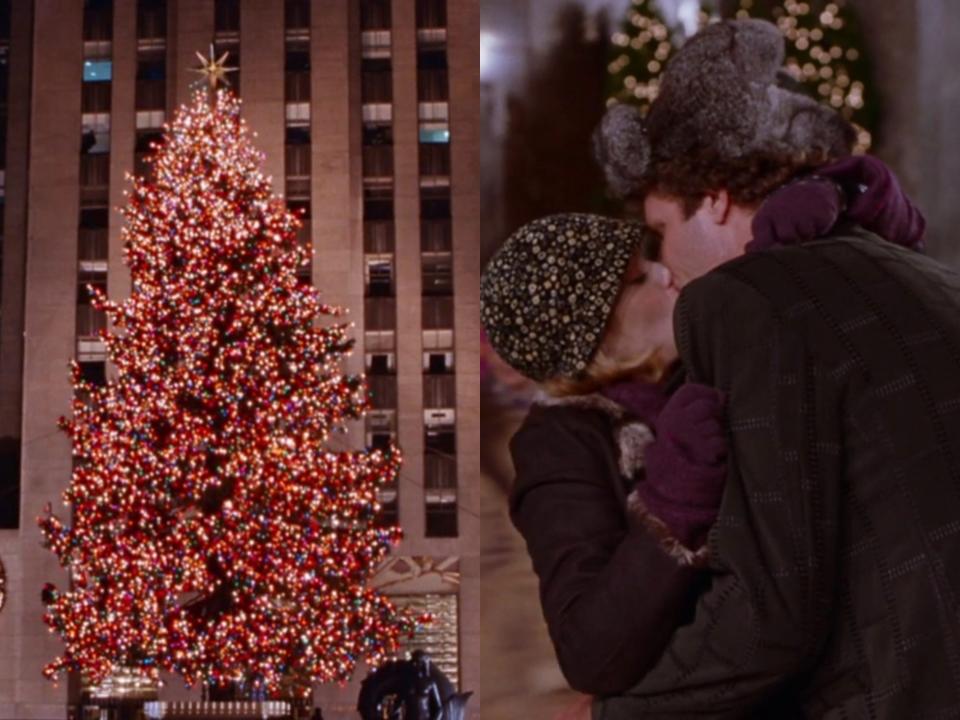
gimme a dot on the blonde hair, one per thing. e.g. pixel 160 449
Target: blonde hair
pixel 604 370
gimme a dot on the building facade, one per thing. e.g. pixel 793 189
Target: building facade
pixel 367 111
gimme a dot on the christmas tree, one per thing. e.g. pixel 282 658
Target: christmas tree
pixel 213 533
pixel 639 51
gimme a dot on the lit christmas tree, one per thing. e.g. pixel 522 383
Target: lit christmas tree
pixel 823 54
pixel 213 533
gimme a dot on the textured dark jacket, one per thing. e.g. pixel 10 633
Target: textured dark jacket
pixel 612 590
pixel 836 557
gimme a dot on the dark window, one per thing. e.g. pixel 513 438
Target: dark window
pixel 97 19
pixel 376 81
pixel 431 13
pixel 437 313
pixel 378 161
pixel 432 60
pixel 297 135
pixel 374 14
pixel 378 236
pixel 94 170
pixel 297 14
pixel 383 391
pixel 144 139
pixel 93 244
pixel 437 274
pixel 441 440
pixel 377 205
pixel 94 218
pixel 380 313
pixel 439 391
pixel 435 236
pixel 226 16
pixel 95 97
pixel 297 87
pixel 297 60
pixel 435 206
pixel 300 208
pixel 378 135
pixel 154 68
pixel 439 364
pixel 380 441
pixel 5 20
pixel 441 520
pixel 432 86
pixel 94 372
pixel 380 365
pixel 434 159
pixel 151 18
pixel 9 481
pixel 298 160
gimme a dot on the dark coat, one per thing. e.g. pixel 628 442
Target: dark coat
pixel 610 589
pixel 836 556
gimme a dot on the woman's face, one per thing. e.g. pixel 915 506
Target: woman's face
pixel 642 320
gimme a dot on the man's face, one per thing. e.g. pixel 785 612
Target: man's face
pixel 692 246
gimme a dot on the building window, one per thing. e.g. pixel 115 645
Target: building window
pixel 378 162
pixel 95 97
pixel 298 161
pixel 376 83
pixel 374 14
pixel 440 495
pixel 9 482
pixel 431 13
pixel 151 19
pixel 379 275
pixel 379 340
pixel 94 178
pixel 380 313
pixel 434 132
pixel 439 391
pixel 434 160
pixel 96 133
pixel 297 87
pixel 298 135
pixel 437 273
pixel 377 135
pixel 438 363
pixel 97 20
pixel 296 15
pixel 432 85
pixel 437 313
pixel 226 16
pixel 94 373
pixel 435 203
pixel 97 70
pixel 435 236
pixel 382 390
pixel 378 236
pixel 151 84
pixel 92 252
pixel 380 363
pixel 377 204
pixel 440 339
pixel 376 43
pixel 90 321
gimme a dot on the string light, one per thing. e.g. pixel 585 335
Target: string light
pixel 212 532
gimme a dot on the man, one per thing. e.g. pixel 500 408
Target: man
pixel 835 561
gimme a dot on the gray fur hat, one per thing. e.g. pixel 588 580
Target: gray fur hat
pixel 547 295
pixel 722 95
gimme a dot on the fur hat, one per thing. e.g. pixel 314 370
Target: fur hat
pixel 546 296
pixel 723 94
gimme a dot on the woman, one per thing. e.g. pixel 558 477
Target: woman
pixel 620 465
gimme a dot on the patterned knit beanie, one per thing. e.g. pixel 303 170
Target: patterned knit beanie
pixel 546 296
pixel 724 95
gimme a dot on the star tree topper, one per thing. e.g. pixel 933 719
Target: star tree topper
pixel 214 69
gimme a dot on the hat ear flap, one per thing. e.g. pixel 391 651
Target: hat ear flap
pixel 622 149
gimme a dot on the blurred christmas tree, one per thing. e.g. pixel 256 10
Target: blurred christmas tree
pixel 213 533
pixel 824 54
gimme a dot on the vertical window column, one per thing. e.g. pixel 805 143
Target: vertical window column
pixel 97 75
pixel 439 381
pixel 380 304
pixel 297 114
pixel 226 37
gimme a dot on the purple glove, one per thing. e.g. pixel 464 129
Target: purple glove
pixel 876 201
pixel 686 464
pixel 799 211
pixel 645 400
